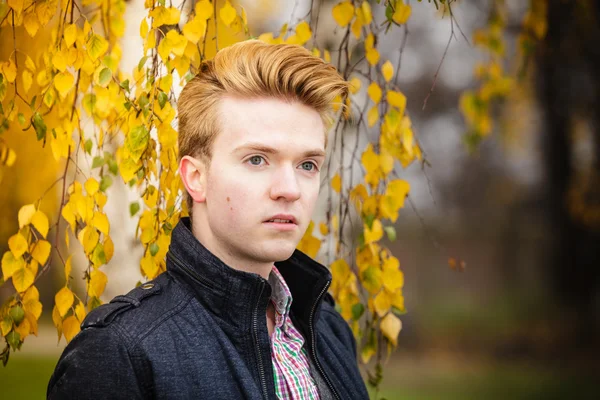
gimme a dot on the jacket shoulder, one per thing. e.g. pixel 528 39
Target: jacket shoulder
pixel 141 309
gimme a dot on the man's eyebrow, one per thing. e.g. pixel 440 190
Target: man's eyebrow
pixel 271 150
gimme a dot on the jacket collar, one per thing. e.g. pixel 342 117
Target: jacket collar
pixel 231 294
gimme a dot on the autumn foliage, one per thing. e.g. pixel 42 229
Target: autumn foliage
pixel 71 93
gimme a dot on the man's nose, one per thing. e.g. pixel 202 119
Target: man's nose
pixel 285 184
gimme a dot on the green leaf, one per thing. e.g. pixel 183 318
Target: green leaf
pixel 98 162
pixel 134 208
pixel 125 85
pixel 14 340
pixel 391 232
pixel 357 311
pixel 104 76
pixel 32 104
pixel 162 99
pixel 154 249
pixel 94 302
pixel 142 62
pixel 17 314
pixel 88 146
pixel 112 166
pixel 39 125
pixel 21 119
pixel 369 221
pixel 105 183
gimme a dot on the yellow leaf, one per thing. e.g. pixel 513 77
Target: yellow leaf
pixel 91 186
pixel 397 99
pixel 100 222
pixel 69 216
pixel 10 70
pixel 57 320
pixel 6 325
pixel 149 266
pixel 355 84
pixel 97 283
pixel 402 12
pixel 327 56
pixel 374 92
pixel 387 69
pixel 372 116
pixel 68 268
pixel 70 327
pixel 41 251
pixel 88 237
pixel 390 327
pixel 369 41
pixel 372 56
pixel 27 80
pixel 323 229
pixel 70 35
pixel 382 303
pixel 22 279
pixel 164 16
pixel 343 13
pixel 386 161
pixel 29 64
pixel 23 329
pixel 40 222
pixel 367 15
pixel 96 47
pixel 64 300
pixel 371 279
pixel 10 264
pixel 336 183
pixel 398 189
pixel 195 29
pixel 375 233
pixel 80 312
pixel 227 13
pixel 393 278
pixel 204 9
pixel 31 302
pixel 369 159
pixel 357 25
pixel 144 28
pixel 18 245
pixel 340 271
pixel 63 82
pixel 31 23
pixel 303 32
pixel 16 5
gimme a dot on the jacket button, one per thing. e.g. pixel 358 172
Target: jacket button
pixel 147 286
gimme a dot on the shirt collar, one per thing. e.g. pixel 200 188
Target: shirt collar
pixel 280 293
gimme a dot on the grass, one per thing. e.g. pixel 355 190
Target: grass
pixel 26 377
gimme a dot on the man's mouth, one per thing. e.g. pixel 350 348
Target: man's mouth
pixel 282 219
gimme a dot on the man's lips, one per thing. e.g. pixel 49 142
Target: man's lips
pixel 282 219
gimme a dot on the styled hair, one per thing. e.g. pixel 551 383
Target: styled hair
pixel 253 69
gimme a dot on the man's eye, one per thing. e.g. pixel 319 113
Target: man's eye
pixel 309 166
pixel 256 160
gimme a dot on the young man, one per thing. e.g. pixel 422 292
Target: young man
pixel 239 314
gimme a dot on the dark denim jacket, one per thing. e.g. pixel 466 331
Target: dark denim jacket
pixel 199 331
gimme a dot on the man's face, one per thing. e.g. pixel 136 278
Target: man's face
pixel 263 179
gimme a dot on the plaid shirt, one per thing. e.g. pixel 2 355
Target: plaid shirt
pixel 290 361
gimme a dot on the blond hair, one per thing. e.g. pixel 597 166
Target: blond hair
pixel 253 69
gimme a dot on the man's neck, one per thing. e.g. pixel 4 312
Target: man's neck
pixel 262 269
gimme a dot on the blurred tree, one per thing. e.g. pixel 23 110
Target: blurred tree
pixel 569 92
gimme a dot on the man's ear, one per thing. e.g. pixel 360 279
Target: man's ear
pixel 193 174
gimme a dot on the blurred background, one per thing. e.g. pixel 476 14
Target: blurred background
pixel 521 209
